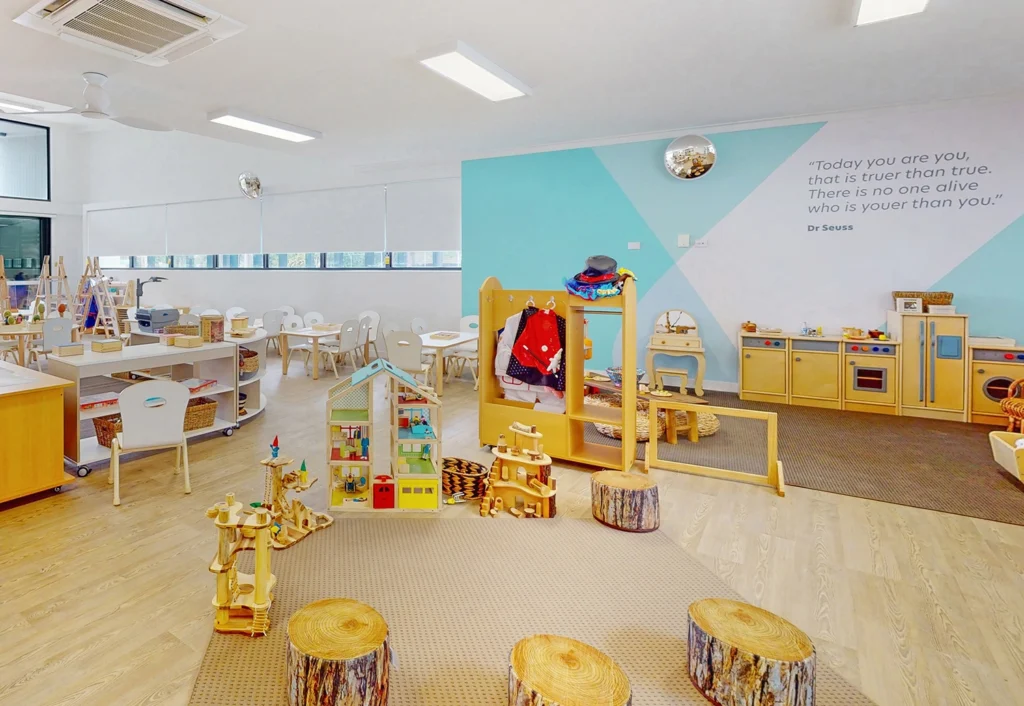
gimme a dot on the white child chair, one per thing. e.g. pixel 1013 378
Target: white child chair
pixel 233 312
pixel 188 320
pixel 272 322
pixel 288 310
pixel 404 351
pixel 374 328
pixel 56 332
pixel 295 323
pixel 152 417
pixel 418 325
pixel 311 318
pixel 349 342
pixel 466 353
pixel 210 312
pixel 364 339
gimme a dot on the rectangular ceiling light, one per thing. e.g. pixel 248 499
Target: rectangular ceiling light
pixel 263 126
pixel 870 11
pixel 16 108
pixel 463 65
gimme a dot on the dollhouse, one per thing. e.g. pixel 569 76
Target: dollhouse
pixel 408 477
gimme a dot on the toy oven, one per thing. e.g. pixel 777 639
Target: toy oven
pixel 870 373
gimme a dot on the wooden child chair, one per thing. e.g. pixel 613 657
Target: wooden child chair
pixel 404 352
pixel 152 417
pixel 272 322
pixel 374 318
pixel 56 332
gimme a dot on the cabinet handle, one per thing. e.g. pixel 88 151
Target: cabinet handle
pixel 853 362
pixel 797 359
pixel 747 355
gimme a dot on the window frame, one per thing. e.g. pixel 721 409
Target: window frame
pixel 49 163
pixel 387 266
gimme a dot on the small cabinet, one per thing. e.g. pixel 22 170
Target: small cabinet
pixel 814 373
pixel 763 369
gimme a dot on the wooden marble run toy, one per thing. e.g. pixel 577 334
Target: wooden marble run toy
pixel 242 600
pixel 292 519
pixel 520 473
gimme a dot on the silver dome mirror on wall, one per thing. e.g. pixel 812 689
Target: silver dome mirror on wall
pixel 690 157
pixel 250 185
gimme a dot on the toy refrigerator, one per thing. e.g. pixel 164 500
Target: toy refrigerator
pixel 933 364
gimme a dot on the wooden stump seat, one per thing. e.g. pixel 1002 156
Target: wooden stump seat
pixel 548 670
pixel 624 501
pixel 742 654
pixel 338 655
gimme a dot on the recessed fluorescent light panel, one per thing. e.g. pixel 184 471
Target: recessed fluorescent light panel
pixel 870 11
pixel 465 66
pixel 16 108
pixel 263 126
pixel 12 103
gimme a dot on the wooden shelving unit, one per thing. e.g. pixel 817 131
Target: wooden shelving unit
pixel 564 436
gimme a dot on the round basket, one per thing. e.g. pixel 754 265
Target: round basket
pixel 461 476
pixel 707 423
pixel 248 363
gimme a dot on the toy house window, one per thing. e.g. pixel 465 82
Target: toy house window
pixel 418 491
pixel 428 491
pixel 406 490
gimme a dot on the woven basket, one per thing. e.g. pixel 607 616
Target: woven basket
pixel 107 428
pixel 200 413
pixel 461 476
pixel 184 330
pixel 707 423
pixel 927 298
pixel 248 363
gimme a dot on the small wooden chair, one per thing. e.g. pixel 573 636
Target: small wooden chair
pixel 1013 406
pixel 404 352
pixel 56 332
pixel 152 417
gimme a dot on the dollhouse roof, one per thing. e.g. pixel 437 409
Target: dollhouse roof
pixel 370 372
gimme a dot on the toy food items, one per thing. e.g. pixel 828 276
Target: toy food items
pixel 749 326
pixel 874 333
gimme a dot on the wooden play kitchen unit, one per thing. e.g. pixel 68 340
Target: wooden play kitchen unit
pixel 992 370
pixel 933 363
pixel 32 419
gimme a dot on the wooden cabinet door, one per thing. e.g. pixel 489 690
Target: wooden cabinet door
pixel 947 348
pixel 870 379
pixel 815 375
pixel 914 358
pixel 764 371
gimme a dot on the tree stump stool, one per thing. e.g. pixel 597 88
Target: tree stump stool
pixel 547 670
pixel 624 501
pixel 741 654
pixel 338 655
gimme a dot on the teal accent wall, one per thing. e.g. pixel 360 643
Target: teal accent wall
pixel 532 220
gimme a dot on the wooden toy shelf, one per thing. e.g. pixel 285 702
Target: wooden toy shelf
pixel 563 433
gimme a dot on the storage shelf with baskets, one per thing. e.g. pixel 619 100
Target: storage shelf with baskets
pixel 211 410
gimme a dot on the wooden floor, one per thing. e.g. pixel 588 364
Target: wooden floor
pixel 103 605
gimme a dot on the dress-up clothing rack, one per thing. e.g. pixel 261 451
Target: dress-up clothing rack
pixel 564 436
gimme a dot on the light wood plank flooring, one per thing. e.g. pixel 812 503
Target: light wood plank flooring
pixel 103 605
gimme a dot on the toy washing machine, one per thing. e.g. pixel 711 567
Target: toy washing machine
pixel 993 370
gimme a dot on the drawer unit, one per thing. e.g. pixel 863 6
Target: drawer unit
pixel 814 373
pixel 675 340
pixel 992 373
pixel 763 369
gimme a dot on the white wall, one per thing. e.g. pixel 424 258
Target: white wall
pixel 135 167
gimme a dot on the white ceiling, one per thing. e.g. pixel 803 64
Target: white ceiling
pixel 597 68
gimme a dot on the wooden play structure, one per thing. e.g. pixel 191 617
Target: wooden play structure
pixel 773 477
pixel 742 654
pixel 95 287
pixel 242 600
pixel 292 520
pixel 625 501
pixel 548 670
pixel 676 334
pixel 339 654
pixel 412 481
pixel 521 480
pixel 563 433
pixel 53 290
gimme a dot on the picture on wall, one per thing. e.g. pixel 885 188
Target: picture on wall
pixel 910 306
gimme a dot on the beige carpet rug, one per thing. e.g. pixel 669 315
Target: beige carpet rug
pixel 457 594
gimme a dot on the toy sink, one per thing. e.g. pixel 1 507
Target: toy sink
pixel 1004 452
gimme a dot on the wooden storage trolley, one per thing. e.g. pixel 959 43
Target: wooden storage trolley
pixel 563 433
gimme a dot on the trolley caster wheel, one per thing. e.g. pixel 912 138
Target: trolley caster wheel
pixel 83 471
pixel 229 431
pixel 133 376
pixel 58 488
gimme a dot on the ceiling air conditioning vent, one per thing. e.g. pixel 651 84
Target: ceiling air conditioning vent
pixel 154 32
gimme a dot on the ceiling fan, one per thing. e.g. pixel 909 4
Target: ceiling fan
pixel 97 105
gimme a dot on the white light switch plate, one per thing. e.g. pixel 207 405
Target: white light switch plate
pixel 701 243
pixel 634 246
pixel 683 241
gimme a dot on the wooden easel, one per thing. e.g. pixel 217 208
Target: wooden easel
pixel 94 285
pixel 53 289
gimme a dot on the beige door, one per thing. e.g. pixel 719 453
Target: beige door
pixel 815 374
pixel 764 371
pixel 915 361
pixel 947 347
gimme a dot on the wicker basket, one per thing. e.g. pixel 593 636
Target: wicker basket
pixel 184 330
pixel 461 476
pixel 248 363
pixel 927 298
pixel 107 428
pixel 200 414
pixel 707 423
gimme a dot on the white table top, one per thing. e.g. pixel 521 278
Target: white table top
pixel 442 343
pixel 138 357
pixel 311 333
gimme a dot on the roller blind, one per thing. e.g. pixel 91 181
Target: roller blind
pixel 425 215
pixel 336 220
pixel 213 227
pixel 127 231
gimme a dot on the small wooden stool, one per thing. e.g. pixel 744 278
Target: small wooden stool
pixel 338 655
pixel 548 670
pixel 742 654
pixel 625 501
